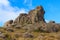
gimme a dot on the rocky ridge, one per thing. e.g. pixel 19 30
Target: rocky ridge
pixel 31 26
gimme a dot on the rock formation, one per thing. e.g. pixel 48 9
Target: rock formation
pixel 33 16
pixel 33 21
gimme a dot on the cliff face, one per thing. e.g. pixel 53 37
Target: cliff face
pixel 33 16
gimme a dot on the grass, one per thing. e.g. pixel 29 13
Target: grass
pixel 37 35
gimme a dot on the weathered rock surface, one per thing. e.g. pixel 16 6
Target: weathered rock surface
pixel 35 15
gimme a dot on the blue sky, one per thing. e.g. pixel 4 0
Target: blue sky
pixel 10 9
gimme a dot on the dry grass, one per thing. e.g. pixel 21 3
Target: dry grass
pixel 37 35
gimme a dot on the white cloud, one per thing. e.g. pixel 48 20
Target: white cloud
pixel 8 12
pixel 46 20
pixel 28 2
pixel 4 2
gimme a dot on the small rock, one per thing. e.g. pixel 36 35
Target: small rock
pixel 27 35
pixel 10 30
pixel 2 35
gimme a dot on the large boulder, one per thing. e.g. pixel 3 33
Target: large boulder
pixel 8 23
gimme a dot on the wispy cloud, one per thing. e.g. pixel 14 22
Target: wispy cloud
pixel 46 20
pixel 8 12
pixel 28 2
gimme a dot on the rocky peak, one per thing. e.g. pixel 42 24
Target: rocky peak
pixel 37 14
pixel 33 16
